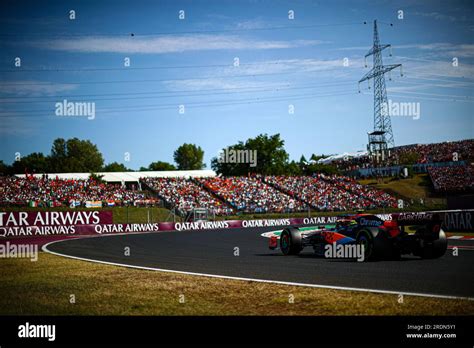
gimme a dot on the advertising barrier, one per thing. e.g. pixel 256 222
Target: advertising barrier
pixel 73 223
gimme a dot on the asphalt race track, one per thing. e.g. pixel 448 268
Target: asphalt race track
pixel 212 252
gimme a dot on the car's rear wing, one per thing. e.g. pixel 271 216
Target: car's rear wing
pixel 421 218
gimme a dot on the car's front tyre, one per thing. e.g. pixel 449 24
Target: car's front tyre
pixel 290 241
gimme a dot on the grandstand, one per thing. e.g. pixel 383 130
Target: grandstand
pixel 185 191
pixel 456 179
pixel 43 191
pixel 184 194
pixel 332 193
pixel 220 195
pixel 252 194
pixel 425 154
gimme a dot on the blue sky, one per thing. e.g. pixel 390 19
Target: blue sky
pixel 190 62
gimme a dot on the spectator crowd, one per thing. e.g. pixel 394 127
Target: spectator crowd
pixel 333 193
pixel 452 179
pixel 251 194
pixel 185 195
pixel 269 194
pixel 220 195
pixel 426 153
pixel 43 191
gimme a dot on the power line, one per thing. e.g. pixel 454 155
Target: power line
pixel 137 81
pixel 436 94
pixel 48 83
pixel 217 104
pixel 444 98
pixel 434 85
pixel 205 104
pixel 123 68
pixel 138 34
pixel 415 77
pixel 172 94
pixel 425 60
pixel 155 97
pixel 434 99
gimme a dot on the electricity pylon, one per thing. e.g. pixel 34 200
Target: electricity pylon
pixel 382 137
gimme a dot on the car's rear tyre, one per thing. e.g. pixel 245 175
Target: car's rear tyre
pixel 290 241
pixel 366 239
pixel 432 249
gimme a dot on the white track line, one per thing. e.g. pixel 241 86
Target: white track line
pixel 44 248
pixel 462 247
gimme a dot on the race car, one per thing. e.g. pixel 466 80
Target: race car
pixel 380 238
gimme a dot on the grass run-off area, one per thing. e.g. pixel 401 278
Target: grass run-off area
pixel 416 187
pixel 46 287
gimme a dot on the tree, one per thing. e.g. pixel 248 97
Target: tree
pixel 4 168
pixel 35 162
pixel 115 167
pixel 159 166
pixel 271 154
pixel 74 155
pixel 411 157
pixel 316 158
pixel 189 157
pixel 272 159
pixel 96 177
pixel 294 168
pixel 231 168
pixel 58 156
pixel 327 169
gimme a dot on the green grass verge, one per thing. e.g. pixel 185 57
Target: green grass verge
pixel 45 288
pixel 416 187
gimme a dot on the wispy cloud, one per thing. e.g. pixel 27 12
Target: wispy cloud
pixel 442 49
pixel 301 65
pixel 165 44
pixel 252 24
pixel 15 124
pixel 298 68
pixel 219 83
pixel 434 48
pixel 34 88
pixel 438 69
pixel 438 16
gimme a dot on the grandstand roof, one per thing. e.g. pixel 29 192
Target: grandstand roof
pixel 130 176
pixel 341 156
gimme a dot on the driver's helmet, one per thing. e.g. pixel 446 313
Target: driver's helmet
pixel 352 223
pixel 345 223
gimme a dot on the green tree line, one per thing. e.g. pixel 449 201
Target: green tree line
pixel 82 156
pixel 264 154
